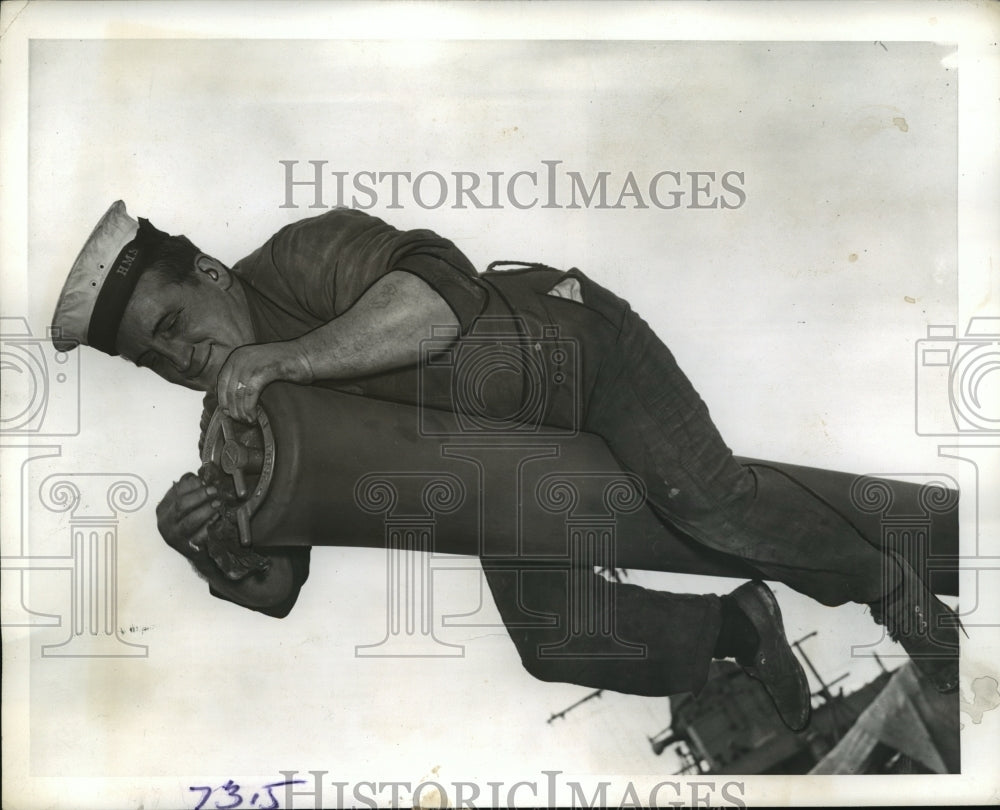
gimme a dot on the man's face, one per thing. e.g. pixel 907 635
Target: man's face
pixel 185 332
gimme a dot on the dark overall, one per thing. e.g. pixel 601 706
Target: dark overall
pixel 628 390
pixel 638 400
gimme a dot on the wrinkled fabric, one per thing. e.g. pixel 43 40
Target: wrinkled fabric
pixel 313 270
pixel 629 390
pixel 657 425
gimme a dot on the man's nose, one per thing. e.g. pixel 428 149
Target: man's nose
pixel 177 353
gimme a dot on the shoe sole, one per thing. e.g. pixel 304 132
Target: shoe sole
pixel 779 657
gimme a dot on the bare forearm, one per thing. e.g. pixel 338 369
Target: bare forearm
pixel 380 332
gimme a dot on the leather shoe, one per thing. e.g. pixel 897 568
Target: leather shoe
pixel 774 664
pixel 925 626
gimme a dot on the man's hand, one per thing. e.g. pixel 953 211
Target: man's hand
pixel 250 369
pixel 184 515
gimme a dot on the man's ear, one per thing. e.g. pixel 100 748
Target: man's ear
pixel 214 269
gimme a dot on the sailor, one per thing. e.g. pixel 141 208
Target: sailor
pixel 344 299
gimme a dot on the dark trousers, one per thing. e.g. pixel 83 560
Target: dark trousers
pixel 648 642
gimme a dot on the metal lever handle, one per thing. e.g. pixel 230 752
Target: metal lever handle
pixel 246 455
pixel 236 458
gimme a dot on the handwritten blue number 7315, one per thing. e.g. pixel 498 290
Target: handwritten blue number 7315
pixel 232 790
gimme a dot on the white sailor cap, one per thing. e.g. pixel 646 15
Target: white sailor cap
pixel 102 279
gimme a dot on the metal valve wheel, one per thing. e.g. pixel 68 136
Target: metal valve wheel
pixel 245 455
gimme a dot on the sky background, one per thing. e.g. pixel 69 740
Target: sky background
pixel 795 316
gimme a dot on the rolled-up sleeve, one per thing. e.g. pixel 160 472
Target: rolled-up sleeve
pixel 329 261
pixel 464 294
